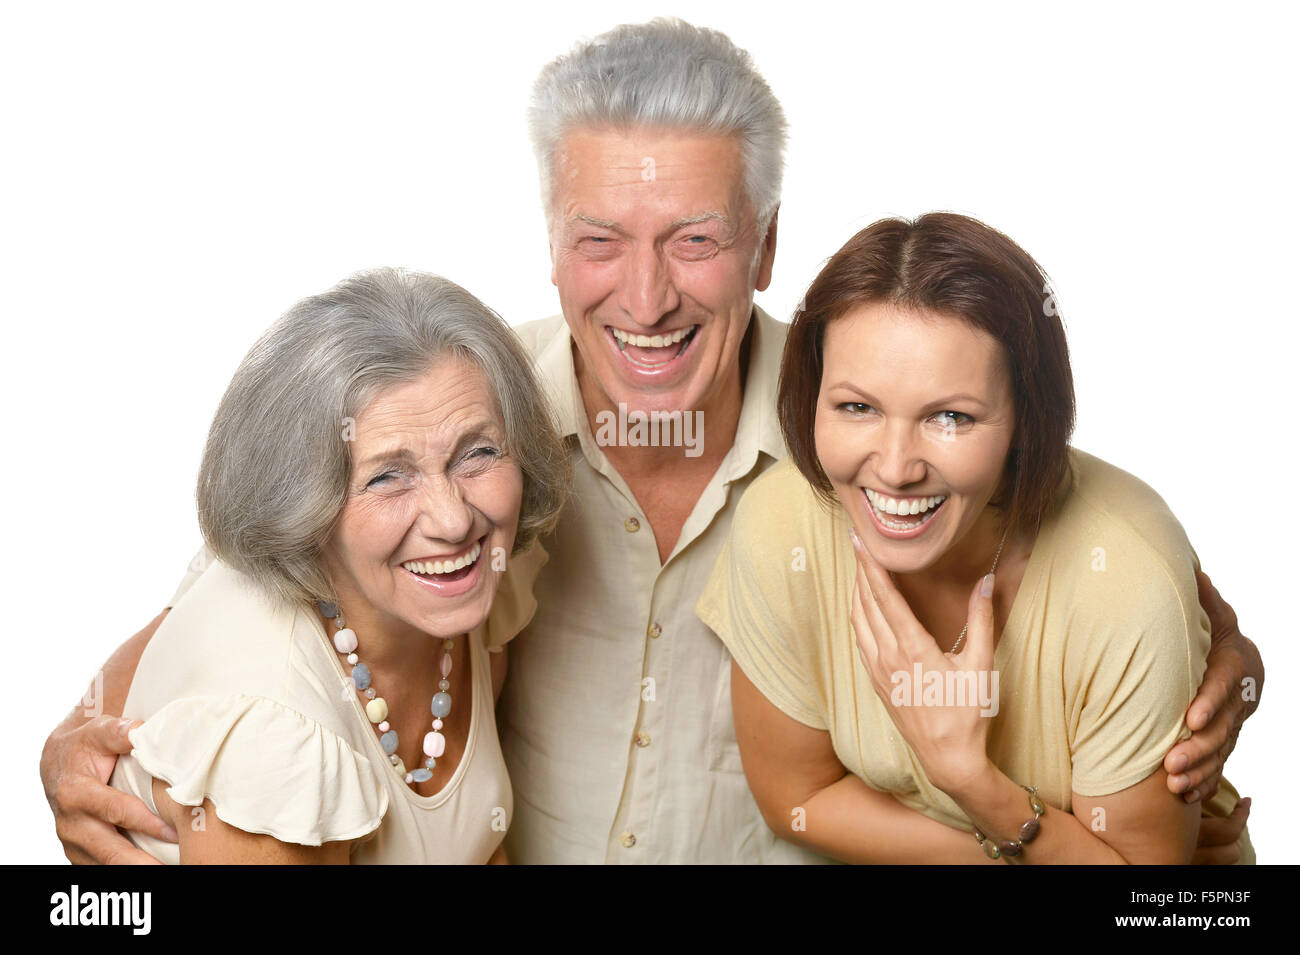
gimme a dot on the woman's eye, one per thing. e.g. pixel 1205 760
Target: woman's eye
pixel 485 452
pixel 855 407
pixel 379 479
pixel 949 420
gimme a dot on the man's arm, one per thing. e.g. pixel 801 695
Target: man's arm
pixel 1229 693
pixel 78 760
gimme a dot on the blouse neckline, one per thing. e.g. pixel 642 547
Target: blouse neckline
pixel 372 741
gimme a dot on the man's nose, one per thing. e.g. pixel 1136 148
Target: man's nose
pixel 646 288
pixel 444 512
pixel 897 463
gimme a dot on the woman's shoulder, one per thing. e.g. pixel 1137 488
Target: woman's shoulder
pixel 781 503
pixel 1121 559
pixel 1109 505
pixel 228 636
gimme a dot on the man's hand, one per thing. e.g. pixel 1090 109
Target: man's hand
pixel 75 767
pixel 1216 843
pixel 1195 765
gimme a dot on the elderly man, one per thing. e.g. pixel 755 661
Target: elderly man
pixel 659 148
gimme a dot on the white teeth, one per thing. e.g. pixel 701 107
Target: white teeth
pixel 444 566
pixel 914 505
pixel 651 341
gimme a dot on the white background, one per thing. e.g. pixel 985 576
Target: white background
pixel 174 177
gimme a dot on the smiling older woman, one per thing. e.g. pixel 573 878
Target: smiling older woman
pixel 955 638
pixel 323 691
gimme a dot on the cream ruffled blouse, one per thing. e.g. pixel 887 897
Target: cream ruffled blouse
pixel 245 703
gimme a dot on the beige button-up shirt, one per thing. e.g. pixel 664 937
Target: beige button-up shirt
pixel 616 716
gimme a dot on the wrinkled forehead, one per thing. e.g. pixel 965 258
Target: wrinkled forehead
pixel 431 414
pixel 615 175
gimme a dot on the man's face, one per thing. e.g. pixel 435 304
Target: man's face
pixel 653 235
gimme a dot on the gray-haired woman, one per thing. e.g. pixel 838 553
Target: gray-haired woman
pixel 323 691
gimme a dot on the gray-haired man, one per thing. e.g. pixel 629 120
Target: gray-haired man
pixel 659 147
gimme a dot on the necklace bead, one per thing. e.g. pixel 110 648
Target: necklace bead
pixel 435 744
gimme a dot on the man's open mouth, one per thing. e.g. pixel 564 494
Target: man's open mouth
pixel 652 351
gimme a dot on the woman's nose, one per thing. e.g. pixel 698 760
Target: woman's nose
pixel 897 463
pixel 444 512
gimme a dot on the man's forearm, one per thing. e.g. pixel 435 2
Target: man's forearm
pixel 118 672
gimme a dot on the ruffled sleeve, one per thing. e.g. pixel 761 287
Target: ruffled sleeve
pixel 267 768
pixel 515 604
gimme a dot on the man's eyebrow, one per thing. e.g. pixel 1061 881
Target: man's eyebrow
pixel 598 223
pixel 702 217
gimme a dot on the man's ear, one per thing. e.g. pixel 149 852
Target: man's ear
pixel 550 245
pixel 767 255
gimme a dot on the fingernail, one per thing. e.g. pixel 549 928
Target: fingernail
pixel 170 834
pixel 986 587
pixel 853 536
pixel 1180 763
pixel 1179 782
pixel 1246 802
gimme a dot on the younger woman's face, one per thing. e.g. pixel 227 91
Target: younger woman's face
pixel 915 419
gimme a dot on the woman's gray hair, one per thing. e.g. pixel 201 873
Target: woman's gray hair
pixel 276 467
pixel 665 73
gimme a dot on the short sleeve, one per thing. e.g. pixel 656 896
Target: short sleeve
pixel 758 604
pixel 198 563
pixel 1137 683
pixel 515 601
pixel 267 768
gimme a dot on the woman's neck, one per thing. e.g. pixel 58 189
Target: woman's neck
pixel 385 643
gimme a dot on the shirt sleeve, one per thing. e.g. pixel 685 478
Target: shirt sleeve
pixel 1137 677
pixel 267 768
pixel 759 604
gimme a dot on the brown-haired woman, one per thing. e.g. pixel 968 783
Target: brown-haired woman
pixel 955 638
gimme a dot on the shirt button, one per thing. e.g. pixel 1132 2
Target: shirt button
pixel 643 738
pixel 631 525
pixel 628 840
pixel 654 631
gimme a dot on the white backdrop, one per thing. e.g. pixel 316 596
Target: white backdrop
pixel 173 177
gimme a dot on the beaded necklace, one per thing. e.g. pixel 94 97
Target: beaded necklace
pixel 435 744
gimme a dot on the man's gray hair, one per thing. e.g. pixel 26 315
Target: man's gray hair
pixel 665 73
pixel 275 471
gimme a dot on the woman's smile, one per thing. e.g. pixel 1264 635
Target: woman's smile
pixel 450 575
pixel 902 518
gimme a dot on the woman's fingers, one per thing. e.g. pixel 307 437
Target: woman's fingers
pixel 978 649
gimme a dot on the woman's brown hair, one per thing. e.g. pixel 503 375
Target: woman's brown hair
pixel 955 265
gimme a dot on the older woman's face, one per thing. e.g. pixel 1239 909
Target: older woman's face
pixel 431 498
pixel 915 418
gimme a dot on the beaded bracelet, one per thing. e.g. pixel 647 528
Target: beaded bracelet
pixel 1028 831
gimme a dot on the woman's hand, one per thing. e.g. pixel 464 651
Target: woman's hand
pixel 949 739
